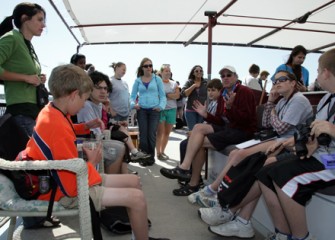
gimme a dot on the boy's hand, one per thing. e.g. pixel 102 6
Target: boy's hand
pixel 95 123
pixel 94 155
pixel 200 108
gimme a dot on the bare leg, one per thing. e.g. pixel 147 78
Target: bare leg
pixel 197 164
pixel 166 135
pixel 124 190
pixel 275 209
pixel 124 168
pixel 116 166
pixel 159 137
pixel 248 204
pixel 199 161
pixel 129 141
pixel 195 141
pixel 295 214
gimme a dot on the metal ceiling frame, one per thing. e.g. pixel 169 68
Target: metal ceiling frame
pixel 212 22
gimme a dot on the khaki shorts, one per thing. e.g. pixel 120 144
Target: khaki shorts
pixel 95 192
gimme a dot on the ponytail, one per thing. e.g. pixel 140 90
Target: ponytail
pixel 6 25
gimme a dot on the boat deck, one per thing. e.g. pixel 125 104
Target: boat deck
pixel 172 217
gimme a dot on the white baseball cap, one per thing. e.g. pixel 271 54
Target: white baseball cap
pixel 229 68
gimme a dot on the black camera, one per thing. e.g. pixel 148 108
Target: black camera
pixel 302 135
pixel 265 134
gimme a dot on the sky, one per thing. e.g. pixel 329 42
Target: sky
pixel 56 46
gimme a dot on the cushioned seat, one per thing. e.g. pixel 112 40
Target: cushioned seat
pixel 12 205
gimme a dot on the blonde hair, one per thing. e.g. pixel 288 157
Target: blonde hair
pixel 65 79
pixel 327 60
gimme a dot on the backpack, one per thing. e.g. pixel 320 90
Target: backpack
pixel 238 180
pixel 116 220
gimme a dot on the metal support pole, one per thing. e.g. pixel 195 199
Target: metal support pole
pixel 211 23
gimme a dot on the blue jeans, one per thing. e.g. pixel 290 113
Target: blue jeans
pixel 148 120
pixel 192 118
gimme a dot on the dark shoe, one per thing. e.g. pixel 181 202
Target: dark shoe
pixel 184 183
pixel 52 222
pixel 147 162
pixel 139 156
pixel 186 190
pixel 176 173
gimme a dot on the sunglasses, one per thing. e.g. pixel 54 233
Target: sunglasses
pixel 198 71
pixel 147 66
pixel 281 79
pixel 227 75
pixel 100 88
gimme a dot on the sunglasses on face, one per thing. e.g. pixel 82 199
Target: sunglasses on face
pixel 198 71
pixel 226 75
pixel 100 88
pixel 147 66
pixel 281 79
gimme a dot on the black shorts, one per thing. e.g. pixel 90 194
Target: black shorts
pixel 224 136
pixel 297 178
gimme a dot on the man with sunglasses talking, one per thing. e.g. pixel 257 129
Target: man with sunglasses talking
pixel 233 123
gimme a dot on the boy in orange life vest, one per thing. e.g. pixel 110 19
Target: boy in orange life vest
pixel 71 87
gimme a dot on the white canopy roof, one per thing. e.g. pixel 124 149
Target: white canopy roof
pixel 253 23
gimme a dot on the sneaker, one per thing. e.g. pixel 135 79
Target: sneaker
pixel 165 156
pixel 215 215
pixel 277 236
pixel 139 155
pixel 193 198
pixel 234 228
pixel 162 157
pixel 208 201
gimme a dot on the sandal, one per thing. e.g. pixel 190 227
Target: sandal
pixel 184 183
pixel 186 190
pixel 176 173
pixel 51 222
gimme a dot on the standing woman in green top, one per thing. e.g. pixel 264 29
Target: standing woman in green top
pixel 20 69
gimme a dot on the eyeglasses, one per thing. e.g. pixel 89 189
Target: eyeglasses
pixel 100 88
pixel 197 71
pixel 281 79
pixel 147 66
pixel 227 75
